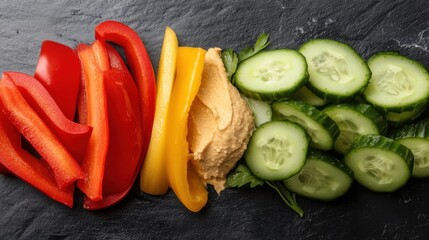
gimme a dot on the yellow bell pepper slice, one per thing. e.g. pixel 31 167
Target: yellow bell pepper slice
pixel 182 177
pixel 153 175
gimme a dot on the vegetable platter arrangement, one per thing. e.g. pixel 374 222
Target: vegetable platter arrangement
pixel 108 113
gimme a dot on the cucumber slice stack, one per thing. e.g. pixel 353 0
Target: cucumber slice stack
pixel 323 177
pixel 319 126
pixel 379 163
pixel 325 98
pixel 355 119
pixel 415 136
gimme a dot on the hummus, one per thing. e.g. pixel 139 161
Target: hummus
pixel 220 124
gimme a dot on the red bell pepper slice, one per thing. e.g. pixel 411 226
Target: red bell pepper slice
pixel 123 157
pixel 93 112
pixel 23 165
pixel 140 67
pixel 64 167
pixel 59 72
pixel 72 135
pixel 3 170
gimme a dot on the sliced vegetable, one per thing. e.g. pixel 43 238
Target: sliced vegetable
pixel 123 156
pixel 64 167
pixel 271 75
pixel 277 150
pixel 379 163
pixel 323 177
pixel 415 136
pixel 319 126
pixel 397 84
pixel 337 72
pixel 59 72
pixel 353 120
pixel 305 95
pixel 262 111
pixel 3 170
pixel 182 177
pixel 153 176
pixel 94 60
pixel 140 67
pixel 397 119
pixel 72 135
pixel 23 165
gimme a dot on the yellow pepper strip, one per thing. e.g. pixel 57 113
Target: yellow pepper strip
pixel 182 177
pixel 153 175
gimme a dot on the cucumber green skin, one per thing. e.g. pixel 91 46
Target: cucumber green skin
pixel 334 98
pixel 269 96
pixel 408 107
pixel 417 129
pixel 366 110
pixel 405 119
pixel 316 155
pixel 312 112
pixel 381 142
pixel 378 141
pixel 262 111
pixel 305 95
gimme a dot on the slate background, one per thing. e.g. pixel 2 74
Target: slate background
pixel 369 26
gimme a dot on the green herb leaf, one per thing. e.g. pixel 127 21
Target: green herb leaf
pixel 287 196
pixel 261 43
pixel 242 176
pixel 230 61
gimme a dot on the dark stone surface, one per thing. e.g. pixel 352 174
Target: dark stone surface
pixel 369 26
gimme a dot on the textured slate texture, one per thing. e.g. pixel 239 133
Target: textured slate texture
pixel 369 26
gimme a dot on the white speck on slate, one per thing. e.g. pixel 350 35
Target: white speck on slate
pixel 422 42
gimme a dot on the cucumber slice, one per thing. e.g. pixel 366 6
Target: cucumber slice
pixel 322 177
pixel 277 150
pixel 379 163
pixel 271 75
pixel 305 95
pixel 398 119
pixel 319 126
pixel 262 112
pixel 337 72
pixel 415 136
pixel 397 84
pixel 355 119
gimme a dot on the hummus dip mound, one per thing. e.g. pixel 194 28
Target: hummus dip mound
pixel 220 124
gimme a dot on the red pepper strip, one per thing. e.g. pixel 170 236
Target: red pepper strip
pixel 122 163
pixel 23 165
pixel 65 169
pixel 116 61
pixel 123 156
pixel 94 60
pixel 3 170
pixel 141 69
pixel 73 136
pixel 59 72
